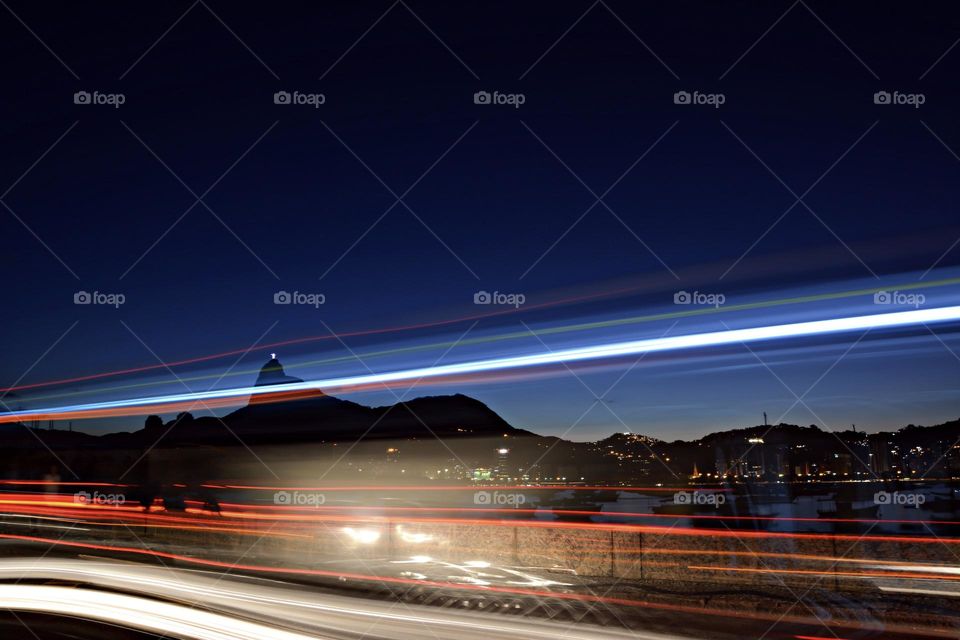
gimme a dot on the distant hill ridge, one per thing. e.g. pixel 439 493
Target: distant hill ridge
pixel 314 416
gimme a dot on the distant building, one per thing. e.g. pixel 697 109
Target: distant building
pixel 481 474
pixel 503 469
pixel 880 456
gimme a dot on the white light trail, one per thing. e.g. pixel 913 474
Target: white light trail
pixel 580 354
pixel 137 613
pixel 211 606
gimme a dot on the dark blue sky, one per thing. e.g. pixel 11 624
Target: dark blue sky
pixel 598 80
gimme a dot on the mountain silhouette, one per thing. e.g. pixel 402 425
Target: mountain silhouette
pixel 461 426
pixel 273 373
pixel 313 416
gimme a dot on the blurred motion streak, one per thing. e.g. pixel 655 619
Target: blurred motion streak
pixel 281 392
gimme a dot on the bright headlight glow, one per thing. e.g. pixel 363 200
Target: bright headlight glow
pixel 363 536
pixel 413 536
pixel 619 349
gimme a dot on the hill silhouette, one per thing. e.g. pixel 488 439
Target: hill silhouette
pixel 313 416
pixel 467 428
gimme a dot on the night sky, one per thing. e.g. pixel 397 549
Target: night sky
pixel 291 196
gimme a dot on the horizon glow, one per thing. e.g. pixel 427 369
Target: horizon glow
pixel 579 354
